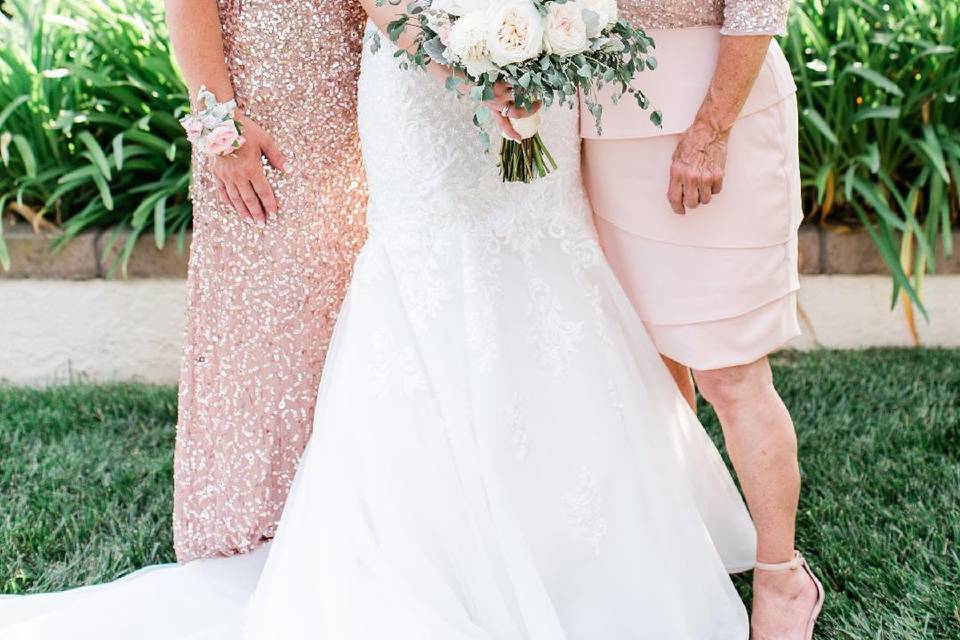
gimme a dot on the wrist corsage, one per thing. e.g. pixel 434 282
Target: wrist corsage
pixel 213 130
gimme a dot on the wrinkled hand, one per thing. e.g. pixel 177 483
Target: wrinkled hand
pixel 503 98
pixel 699 164
pixel 240 177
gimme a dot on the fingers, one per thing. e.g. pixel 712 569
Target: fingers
pixel 264 193
pixel 507 128
pixel 252 198
pixel 252 202
pixel 235 200
pixel 691 192
pixel 224 196
pixel 242 181
pixel 705 188
pixel 718 183
pixel 675 191
pixel 274 155
pixel 690 188
pixel 502 92
pixel 503 98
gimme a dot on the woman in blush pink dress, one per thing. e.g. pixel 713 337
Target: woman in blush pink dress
pixel 699 220
pixel 273 247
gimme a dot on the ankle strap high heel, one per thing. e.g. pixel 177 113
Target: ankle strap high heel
pixel 796 563
pixel 792 564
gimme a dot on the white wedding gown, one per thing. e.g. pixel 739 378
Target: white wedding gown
pixel 499 453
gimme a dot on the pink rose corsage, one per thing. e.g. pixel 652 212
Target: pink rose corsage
pixel 213 130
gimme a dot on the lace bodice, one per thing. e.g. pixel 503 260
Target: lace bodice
pixel 426 177
pixel 735 17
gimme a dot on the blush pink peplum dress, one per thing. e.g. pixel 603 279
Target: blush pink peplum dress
pixel 262 302
pixel 716 287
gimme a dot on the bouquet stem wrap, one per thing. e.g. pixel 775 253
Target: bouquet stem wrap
pixel 528 159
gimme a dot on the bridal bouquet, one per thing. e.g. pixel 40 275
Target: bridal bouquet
pixel 547 51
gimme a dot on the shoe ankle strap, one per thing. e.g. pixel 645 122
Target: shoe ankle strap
pixel 792 564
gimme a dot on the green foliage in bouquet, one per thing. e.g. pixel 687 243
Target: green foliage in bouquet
pixel 616 54
pixel 879 84
pixel 89 138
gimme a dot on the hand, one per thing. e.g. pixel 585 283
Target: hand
pixel 697 171
pixel 502 100
pixel 240 177
pixel 503 103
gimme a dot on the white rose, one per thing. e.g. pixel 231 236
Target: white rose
pixel 460 7
pixel 566 32
pixel 468 42
pixel 607 13
pixel 515 32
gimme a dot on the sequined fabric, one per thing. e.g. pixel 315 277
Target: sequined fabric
pixel 263 302
pixel 736 17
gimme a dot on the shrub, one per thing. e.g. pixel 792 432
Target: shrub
pixel 878 89
pixel 89 98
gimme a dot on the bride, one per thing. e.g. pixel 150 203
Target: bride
pixel 500 453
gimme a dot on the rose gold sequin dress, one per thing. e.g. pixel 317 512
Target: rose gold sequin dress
pixel 262 302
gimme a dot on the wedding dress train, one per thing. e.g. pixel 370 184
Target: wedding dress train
pixel 499 452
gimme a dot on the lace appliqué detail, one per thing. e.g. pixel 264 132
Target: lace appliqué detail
pixel 584 512
pixel 556 338
pixel 482 296
pixel 616 402
pixel 516 431
pixel 394 368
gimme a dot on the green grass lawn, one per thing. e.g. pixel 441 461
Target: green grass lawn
pixel 85 493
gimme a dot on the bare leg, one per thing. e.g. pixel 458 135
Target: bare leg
pixel 762 444
pixel 681 374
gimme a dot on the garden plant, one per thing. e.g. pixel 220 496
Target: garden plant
pixel 90 96
pixel 89 138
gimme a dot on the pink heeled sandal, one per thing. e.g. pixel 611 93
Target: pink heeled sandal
pixel 794 564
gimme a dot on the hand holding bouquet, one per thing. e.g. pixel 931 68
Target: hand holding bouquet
pixel 546 51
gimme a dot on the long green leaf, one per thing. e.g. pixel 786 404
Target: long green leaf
pixel 4 252
pixel 105 195
pixel 875 78
pixel 10 108
pixel 160 223
pixel 99 157
pixel 891 258
pixel 118 151
pixel 26 154
pixel 886 112
pixel 872 195
pixel 930 144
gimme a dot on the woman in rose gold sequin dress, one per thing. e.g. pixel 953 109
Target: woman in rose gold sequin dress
pixel 271 256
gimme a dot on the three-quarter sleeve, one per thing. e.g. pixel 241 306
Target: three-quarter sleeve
pixel 755 17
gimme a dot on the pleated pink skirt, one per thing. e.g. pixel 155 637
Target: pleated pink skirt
pixel 715 287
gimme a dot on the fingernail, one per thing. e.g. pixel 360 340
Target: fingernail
pixel 261 224
pixel 248 221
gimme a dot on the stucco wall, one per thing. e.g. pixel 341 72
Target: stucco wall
pixel 849 311
pixel 55 330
